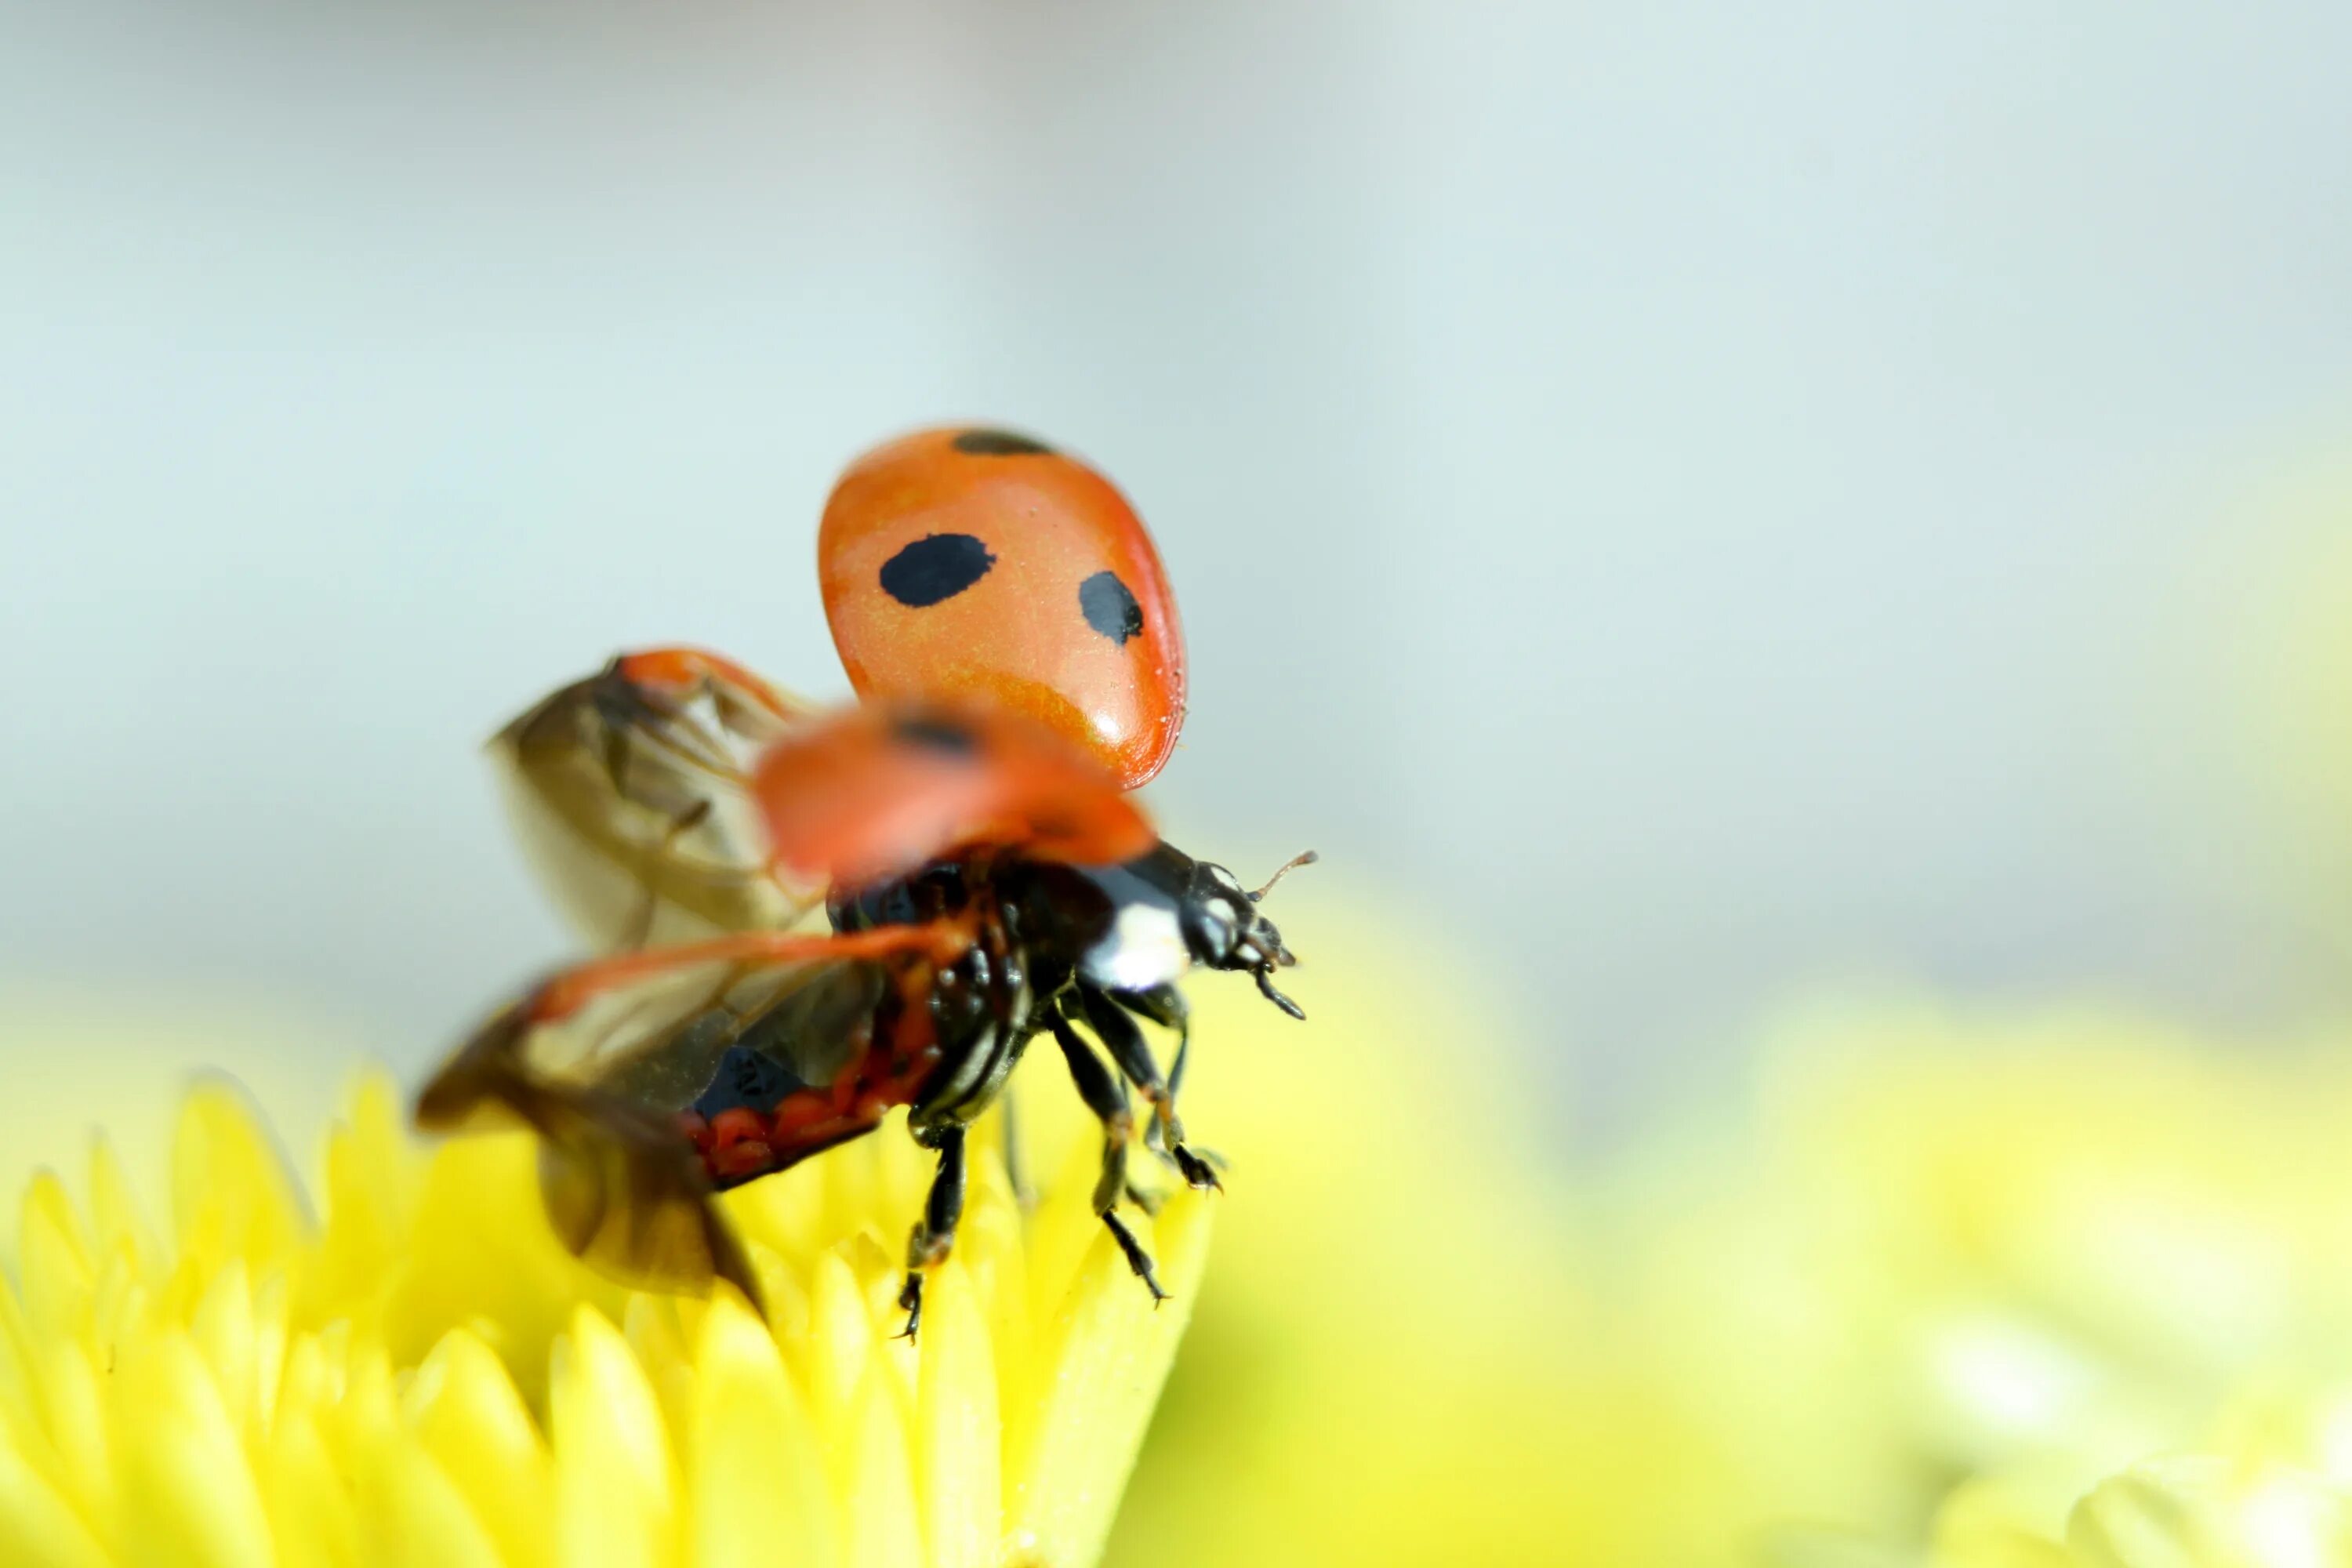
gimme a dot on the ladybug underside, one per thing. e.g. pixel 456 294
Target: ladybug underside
pixel 678 1079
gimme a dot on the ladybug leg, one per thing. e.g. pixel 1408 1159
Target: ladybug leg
pixel 1109 1015
pixel 934 1234
pixel 1145 1198
pixel 1007 1000
pixel 1107 1098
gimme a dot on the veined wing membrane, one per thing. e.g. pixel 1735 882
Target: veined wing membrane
pixel 629 792
pixel 604 1087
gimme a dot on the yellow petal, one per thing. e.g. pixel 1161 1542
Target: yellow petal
pixel 426 1378
pixel 223 1329
pixel 231 1196
pixel 416 1517
pixel 312 1515
pixel 2204 1511
pixel 469 1418
pixel 878 1511
pixel 73 1403
pixel 369 1182
pixel 55 1267
pixel 1100 1365
pixel 759 1492
pixel 841 1340
pixel 613 1488
pixel 957 1437
pixel 189 1496
pixel 38 1530
pixel 651 1326
pixel 117 1226
pixel 20 1394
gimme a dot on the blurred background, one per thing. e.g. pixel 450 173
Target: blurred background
pixel 1688 507
pixel 1686 503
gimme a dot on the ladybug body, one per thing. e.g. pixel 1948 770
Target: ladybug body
pixel 973 563
pixel 967 827
pixel 657 1078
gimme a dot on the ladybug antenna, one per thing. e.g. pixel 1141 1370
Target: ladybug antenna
pixel 1264 978
pixel 1304 858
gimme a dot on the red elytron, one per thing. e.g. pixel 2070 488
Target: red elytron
pixel 980 562
pixel 873 793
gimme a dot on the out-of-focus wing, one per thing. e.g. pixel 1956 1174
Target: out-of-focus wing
pixel 868 793
pixel 610 1089
pixel 629 791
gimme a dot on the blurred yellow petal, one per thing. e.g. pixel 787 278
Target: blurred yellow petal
pixel 414 1516
pixel 1075 1448
pixel 614 1494
pixel 758 1495
pixel 38 1530
pixel 2205 1513
pixel 958 1435
pixel 188 1494
pixel 53 1265
pixel 878 1511
pixel 312 1515
pixel 73 1403
pixel 469 1418
pixel 840 1339
pixel 231 1195
pixel 421 1376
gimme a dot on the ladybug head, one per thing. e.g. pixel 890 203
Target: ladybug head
pixel 1225 930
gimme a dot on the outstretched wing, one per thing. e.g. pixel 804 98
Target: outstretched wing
pixel 629 791
pixel 628 1068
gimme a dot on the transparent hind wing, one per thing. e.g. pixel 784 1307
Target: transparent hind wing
pixel 601 1062
pixel 629 792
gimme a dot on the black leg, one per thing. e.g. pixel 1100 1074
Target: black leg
pixel 1109 1015
pixel 1107 1098
pixel 934 1234
pixel 1164 1006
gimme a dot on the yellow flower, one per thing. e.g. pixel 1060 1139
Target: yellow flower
pixel 423 1376
pixel 2187 1511
pixel 1985 1280
pixel 1933 1286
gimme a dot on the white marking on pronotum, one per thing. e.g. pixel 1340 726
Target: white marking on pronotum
pixel 1145 948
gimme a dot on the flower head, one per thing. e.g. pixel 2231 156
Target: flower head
pixel 422 1376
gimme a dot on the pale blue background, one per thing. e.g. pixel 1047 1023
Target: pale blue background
pixel 1690 499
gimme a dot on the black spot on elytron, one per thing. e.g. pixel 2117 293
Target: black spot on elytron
pixel 936 566
pixel 999 444
pixel 935 735
pixel 1109 609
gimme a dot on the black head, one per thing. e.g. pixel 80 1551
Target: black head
pixel 1224 929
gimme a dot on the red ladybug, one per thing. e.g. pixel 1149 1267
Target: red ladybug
pixel 994 884
pixel 987 876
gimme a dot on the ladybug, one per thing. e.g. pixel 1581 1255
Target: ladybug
pixel 992 882
pixel 987 877
pixel 960 562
